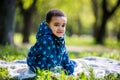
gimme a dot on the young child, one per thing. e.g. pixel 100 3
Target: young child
pixel 49 50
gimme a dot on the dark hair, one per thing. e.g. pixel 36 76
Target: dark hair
pixel 52 13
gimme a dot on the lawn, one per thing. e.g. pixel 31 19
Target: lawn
pixel 83 40
pixel 20 51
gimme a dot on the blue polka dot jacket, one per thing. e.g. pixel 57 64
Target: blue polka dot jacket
pixel 49 51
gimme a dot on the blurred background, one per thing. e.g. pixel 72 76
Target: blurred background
pixel 93 26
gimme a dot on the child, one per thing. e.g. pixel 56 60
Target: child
pixel 49 50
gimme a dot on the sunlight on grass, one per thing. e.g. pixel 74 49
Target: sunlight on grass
pixel 83 40
pixel 9 53
pixel 112 42
pixel 78 41
pixel 74 40
pixel 18 38
pixel 4 75
pixel 32 38
pixel 112 55
pixel 48 75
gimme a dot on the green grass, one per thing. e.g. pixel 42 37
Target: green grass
pixel 18 38
pixel 4 74
pixel 8 53
pixel 112 55
pixel 47 75
pixel 80 41
pixel 83 40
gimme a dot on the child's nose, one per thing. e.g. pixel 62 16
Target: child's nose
pixel 60 28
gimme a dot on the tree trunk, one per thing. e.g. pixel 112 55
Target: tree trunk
pixel 27 27
pixel 7 11
pixel 118 35
pixel 95 10
pixel 27 15
pixel 102 30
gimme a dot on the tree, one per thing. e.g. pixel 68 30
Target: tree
pixel 118 35
pixel 7 11
pixel 96 14
pixel 27 16
pixel 106 14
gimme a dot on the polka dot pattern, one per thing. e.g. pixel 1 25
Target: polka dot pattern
pixel 49 51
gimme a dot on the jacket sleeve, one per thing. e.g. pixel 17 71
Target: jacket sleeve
pixel 68 64
pixel 44 46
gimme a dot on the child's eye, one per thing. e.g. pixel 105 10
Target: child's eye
pixel 63 25
pixel 56 25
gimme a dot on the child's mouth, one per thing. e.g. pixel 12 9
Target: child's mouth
pixel 60 32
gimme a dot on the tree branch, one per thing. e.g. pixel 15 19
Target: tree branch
pixel 104 6
pixel 20 4
pixel 114 9
pixel 95 7
pixel 32 7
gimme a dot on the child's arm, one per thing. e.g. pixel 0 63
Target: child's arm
pixel 40 53
pixel 44 46
pixel 68 64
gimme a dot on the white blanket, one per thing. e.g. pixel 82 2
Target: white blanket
pixel 101 67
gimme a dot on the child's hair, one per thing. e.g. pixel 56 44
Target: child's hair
pixel 53 13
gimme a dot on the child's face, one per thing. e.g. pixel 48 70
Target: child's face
pixel 58 25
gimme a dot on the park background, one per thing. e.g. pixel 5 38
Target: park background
pixel 93 27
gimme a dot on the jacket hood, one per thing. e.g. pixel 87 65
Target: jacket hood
pixel 45 30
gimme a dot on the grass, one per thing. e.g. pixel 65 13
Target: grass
pixel 80 41
pixel 112 55
pixel 47 75
pixel 8 53
pixel 83 40
pixel 4 74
